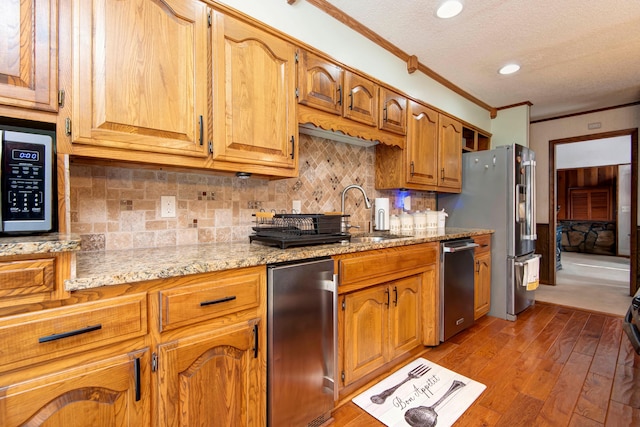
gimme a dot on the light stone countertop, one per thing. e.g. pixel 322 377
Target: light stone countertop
pixel 45 243
pixel 104 268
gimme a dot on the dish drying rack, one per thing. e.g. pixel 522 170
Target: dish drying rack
pixel 287 230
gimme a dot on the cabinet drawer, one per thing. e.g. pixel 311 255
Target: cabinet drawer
pixel 27 277
pixel 369 266
pixel 208 299
pixel 484 243
pixel 62 331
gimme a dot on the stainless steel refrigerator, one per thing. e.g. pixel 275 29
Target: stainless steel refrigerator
pixel 498 192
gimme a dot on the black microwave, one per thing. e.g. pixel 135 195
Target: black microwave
pixel 27 181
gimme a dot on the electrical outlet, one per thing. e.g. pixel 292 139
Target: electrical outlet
pixel 296 206
pixel 168 206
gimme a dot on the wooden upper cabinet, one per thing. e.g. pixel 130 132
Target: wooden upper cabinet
pixel 254 101
pixel 140 76
pixel 319 83
pixel 393 112
pixel 422 145
pixel 360 99
pixel 28 62
pixel 450 155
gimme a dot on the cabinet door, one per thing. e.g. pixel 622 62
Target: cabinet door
pixel 405 320
pixel 254 101
pixel 361 99
pixel 109 392
pixel 365 332
pixel 450 154
pixel 482 281
pixel 29 46
pixel 393 112
pixel 211 379
pixel 319 83
pixel 140 75
pixel 422 145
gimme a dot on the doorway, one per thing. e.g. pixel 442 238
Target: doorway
pixel 633 134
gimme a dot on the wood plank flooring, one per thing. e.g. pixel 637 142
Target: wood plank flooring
pixel 554 366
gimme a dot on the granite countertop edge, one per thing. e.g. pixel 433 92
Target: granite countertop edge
pixel 39 244
pixel 106 268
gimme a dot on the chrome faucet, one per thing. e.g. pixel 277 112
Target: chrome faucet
pixel 345 225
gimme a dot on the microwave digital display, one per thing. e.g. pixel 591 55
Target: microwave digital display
pixel 32 156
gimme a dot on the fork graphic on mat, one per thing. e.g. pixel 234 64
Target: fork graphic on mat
pixel 416 372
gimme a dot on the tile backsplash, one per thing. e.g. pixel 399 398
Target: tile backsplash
pixel 119 207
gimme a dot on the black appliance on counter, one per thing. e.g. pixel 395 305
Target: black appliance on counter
pixel 27 180
pixel 631 324
pixel 286 230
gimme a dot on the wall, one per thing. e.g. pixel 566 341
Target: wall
pixel 310 25
pixel 543 132
pixel 511 126
pixel 119 208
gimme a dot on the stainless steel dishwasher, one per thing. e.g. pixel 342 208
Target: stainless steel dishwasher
pixel 456 286
pixel 301 340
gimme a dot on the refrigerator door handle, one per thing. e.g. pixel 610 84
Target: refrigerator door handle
pixel 530 201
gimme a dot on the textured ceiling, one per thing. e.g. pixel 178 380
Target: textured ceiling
pixel 576 55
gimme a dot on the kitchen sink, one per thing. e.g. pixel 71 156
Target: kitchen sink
pixel 374 238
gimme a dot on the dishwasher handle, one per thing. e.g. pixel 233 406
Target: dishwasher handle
pixel 466 247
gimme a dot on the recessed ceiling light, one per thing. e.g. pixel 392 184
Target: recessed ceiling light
pixel 449 9
pixel 509 69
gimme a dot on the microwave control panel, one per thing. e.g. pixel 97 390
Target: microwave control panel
pixel 26 181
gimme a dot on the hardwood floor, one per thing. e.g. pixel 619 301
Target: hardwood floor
pixel 554 366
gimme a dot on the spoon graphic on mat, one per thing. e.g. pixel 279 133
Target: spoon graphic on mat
pixel 416 372
pixel 426 416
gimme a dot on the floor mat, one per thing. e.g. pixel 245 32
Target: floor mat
pixel 421 394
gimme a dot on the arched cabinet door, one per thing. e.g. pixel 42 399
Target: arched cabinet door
pixel 109 392
pixel 136 88
pixel 320 83
pixel 450 154
pixel 254 100
pixel 360 99
pixel 210 379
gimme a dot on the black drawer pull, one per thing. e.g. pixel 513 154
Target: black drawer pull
pixel 80 331
pixel 217 301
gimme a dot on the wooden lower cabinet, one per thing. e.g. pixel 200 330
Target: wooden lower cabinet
pixel 113 391
pixel 211 379
pixel 380 323
pixel 482 276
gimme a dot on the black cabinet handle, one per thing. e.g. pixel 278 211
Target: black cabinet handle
pixel 442 175
pixel 217 301
pixel 136 370
pixel 412 168
pixel 384 115
pixel 395 296
pixel 339 94
pixel 351 100
pixel 387 294
pixel 80 331
pixel 293 146
pixel 201 131
pixel 255 341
